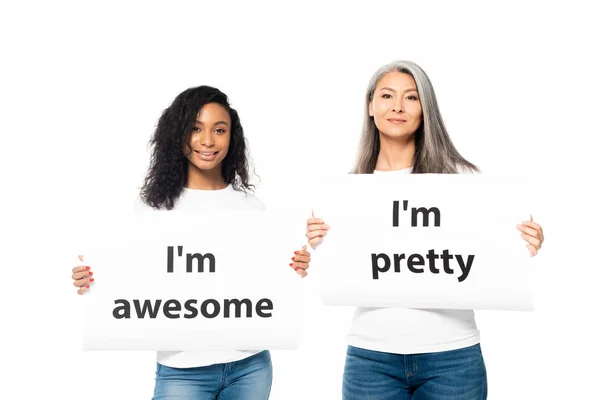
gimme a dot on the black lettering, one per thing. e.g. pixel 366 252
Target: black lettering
pixel 415 259
pixel 431 256
pixel 204 307
pixel 375 266
pixel 464 268
pixel 171 305
pixel 267 306
pixel 193 310
pixel 200 258
pixel 141 313
pixel 425 212
pixel 397 259
pixel 123 311
pixel 395 211
pixel 447 257
pixel 238 307
pixel 169 259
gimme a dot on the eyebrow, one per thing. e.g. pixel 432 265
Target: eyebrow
pixel 392 90
pixel 216 123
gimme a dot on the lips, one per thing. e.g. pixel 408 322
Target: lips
pixel 396 120
pixel 206 155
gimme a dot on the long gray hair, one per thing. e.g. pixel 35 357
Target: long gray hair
pixel 434 151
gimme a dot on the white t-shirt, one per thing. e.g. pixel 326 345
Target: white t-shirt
pixel 202 200
pixel 412 331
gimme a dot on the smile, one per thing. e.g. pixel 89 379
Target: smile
pixel 207 155
pixel 397 120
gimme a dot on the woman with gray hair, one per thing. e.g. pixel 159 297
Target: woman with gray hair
pixel 400 353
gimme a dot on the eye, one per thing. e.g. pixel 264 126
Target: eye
pixel 412 97
pixel 220 131
pixel 195 129
pixel 386 96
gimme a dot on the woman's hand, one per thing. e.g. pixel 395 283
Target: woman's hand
pixel 82 277
pixel 300 261
pixel 316 229
pixel 533 234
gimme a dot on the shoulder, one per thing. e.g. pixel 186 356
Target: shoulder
pixel 247 200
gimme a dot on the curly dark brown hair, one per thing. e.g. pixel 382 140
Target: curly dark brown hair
pixel 168 170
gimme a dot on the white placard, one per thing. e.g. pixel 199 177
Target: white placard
pixel 192 281
pixel 425 241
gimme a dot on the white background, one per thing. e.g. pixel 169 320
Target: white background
pixel 82 86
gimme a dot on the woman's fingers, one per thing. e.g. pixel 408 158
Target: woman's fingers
pixel 80 268
pixel 314 242
pixel 532 224
pixel 532 240
pixel 316 227
pixel 303 252
pixel 537 227
pixel 533 234
pixel 83 281
pixel 300 258
pixel 316 234
pixel 299 265
pixel 301 261
pixel 81 275
pixel 527 230
pixel 83 289
pixel 301 272
pixel 532 250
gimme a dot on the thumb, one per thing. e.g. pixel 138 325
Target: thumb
pixel 80 258
pixel 312 212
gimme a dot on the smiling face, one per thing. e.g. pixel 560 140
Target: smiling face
pixel 395 106
pixel 210 137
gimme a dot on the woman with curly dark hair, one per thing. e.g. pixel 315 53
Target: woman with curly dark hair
pixel 214 157
pixel 199 161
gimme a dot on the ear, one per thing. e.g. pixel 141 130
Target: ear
pixel 371 108
pixel 186 150
pixel 185 146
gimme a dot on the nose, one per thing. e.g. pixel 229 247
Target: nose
pixel 206 139
pixel 398 107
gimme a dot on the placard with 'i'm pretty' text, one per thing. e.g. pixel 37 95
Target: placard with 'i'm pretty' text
pixel 425 241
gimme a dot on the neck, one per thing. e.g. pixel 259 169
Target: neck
pixel 205 179
pixel 395 153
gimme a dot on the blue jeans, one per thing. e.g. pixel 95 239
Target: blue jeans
pixel 446 375
pixel 247 379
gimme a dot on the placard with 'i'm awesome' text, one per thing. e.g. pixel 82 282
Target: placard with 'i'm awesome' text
pixel 192 281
